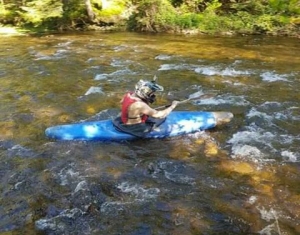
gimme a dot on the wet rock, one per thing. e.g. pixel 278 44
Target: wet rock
pixel 161 206
pixel 177 172
pixel 81 199
pixel 211 149
pixel 7 129
pixel 64 118
pixel 52 211
pixel 109 188
pixel 61 223
pixel 105 114
pixel 29 218
pixel 81 186
pixel 20 151
pixel 14 215
pixel 179 219
pixel 87 198
pixel 238 167
pixel 143 229
pixel 24 118
pixel 6 144
pixel 199 225
pixel 93 208
pixel 151 168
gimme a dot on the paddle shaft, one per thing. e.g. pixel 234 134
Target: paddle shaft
pixel 204 96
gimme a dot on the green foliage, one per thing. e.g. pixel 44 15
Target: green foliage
pixel 253 7
pixel 116 8
pixel 189 20
pixel 294 7
pixel 36 12
pixel 5 15
pixel 212 7
pixel 74 9
pixel 264 23
pixel 212 23
pixel 153 16
pixel 188 6
pixel 8 14
pixel 249 16
pixel 285 6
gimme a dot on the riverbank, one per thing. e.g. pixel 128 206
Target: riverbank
pixel 17 31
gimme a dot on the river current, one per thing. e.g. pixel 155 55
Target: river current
pixel 239 178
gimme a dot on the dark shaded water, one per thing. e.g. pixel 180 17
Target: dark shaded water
pixel 242 178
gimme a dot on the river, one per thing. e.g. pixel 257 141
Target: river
pixel 240 178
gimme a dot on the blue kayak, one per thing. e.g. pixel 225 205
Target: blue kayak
pixel 177 123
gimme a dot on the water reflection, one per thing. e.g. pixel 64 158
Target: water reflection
pixel 238 179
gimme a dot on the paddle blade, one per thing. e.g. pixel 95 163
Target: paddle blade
pixel 198 95
pixel 195 95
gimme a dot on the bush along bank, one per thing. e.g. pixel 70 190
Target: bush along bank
pixel 161 16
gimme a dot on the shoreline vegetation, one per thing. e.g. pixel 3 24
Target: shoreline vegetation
pixel 221 17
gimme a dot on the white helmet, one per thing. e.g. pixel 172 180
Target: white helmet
pixel 145 90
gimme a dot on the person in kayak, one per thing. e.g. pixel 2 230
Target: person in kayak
pixel 137 117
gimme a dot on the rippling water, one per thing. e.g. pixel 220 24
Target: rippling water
pixel 242 178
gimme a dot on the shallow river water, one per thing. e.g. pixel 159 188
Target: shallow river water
pixel 240 178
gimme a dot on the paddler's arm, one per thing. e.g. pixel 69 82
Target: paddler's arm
pixel 146 109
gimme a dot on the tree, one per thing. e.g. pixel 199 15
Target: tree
pixel 89 9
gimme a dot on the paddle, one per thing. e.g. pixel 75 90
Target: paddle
pixel 195 96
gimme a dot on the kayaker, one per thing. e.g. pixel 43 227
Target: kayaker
pixel 137 117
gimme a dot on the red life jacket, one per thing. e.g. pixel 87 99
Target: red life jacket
pixel 127 101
